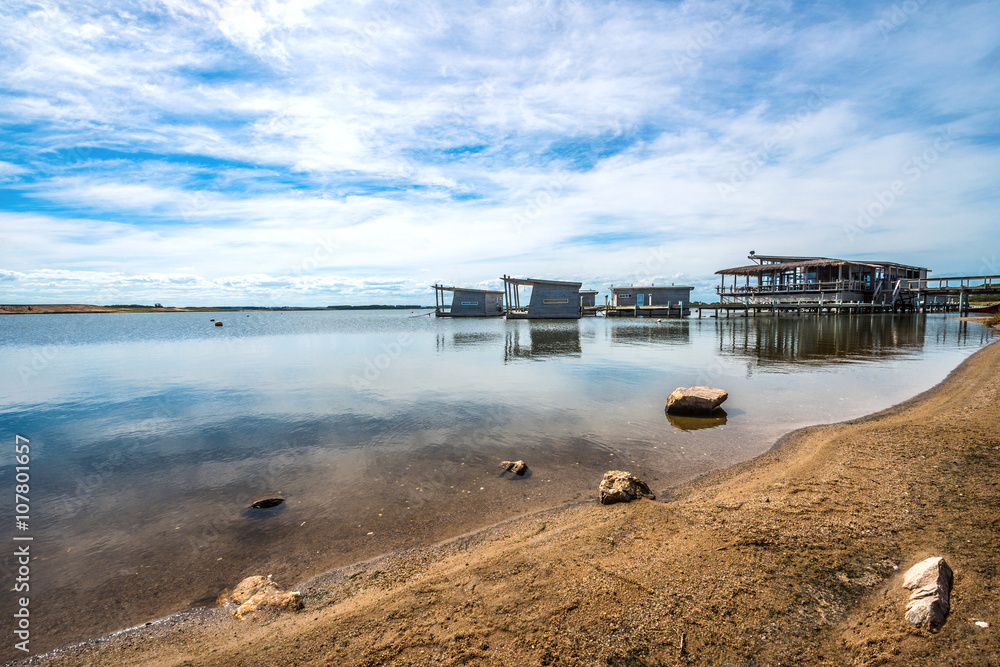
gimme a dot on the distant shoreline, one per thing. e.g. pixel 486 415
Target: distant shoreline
pixel 65 308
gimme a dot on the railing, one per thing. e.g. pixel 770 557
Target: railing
pixel 986 283
pixel 794 288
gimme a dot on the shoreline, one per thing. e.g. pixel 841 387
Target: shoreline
pixel 791 556
pixel 79 308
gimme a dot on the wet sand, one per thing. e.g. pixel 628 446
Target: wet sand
pixel 792 558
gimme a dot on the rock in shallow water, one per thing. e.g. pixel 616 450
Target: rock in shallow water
pixel 256 593
pixel 619 486
pixel 516 467
pixel 930 580
pixel 695 400
pixel 267 503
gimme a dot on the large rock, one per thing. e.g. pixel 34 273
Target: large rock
pixel 930 581
pixel 256 593
pixel 695 400
pixel 619 486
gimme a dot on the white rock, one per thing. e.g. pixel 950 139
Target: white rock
pixel 930 580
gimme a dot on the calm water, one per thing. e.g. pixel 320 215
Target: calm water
pixel 151 434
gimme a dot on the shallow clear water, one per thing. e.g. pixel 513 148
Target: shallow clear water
pixel 151 434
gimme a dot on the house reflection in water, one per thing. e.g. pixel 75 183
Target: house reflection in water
pixel 645 332
pixel 541 339
pixel 773 341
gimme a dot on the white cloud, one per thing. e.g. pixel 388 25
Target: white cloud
pixel 457 142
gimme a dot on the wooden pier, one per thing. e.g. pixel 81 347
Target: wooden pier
pixel 790 308
pixel 647 311
pixel 926 293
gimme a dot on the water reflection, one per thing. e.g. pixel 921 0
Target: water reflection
pixel 821 340
pixel 474 338
pixel 648 332
pixel 151 434
pixel 545 339
pixel 684 423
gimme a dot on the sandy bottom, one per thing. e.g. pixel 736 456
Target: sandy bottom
pixel 793 558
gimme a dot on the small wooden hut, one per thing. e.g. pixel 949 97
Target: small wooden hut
pixel 651 300
pixel 550 299
pixel 467 302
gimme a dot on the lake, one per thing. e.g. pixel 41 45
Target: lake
pixel 152 433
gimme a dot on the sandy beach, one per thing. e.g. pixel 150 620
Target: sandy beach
pixel 795 557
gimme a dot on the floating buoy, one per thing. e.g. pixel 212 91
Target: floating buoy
pixel 218 324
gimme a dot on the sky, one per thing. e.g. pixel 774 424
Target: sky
pixel 317 153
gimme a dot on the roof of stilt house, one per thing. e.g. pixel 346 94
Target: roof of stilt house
pixel 539 281
pixel 621 288
pixel 798 262
pixel 451 288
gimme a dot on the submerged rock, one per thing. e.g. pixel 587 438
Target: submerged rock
pixel 516 467
pixel 218 323
pixel 930 580
pixel 256 593
pixel 695 400
pixel 267 503
pixel 619 486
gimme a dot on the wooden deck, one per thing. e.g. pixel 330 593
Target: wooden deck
pixel 645 311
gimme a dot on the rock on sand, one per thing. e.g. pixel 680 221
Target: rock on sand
pixel 619 486
pixel 930 581
pixel 256 593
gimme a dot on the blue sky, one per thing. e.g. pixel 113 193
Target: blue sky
pixel 308 153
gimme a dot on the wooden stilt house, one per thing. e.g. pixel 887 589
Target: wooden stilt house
pixel 783 279
pixel 467 302
pixel 549 299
